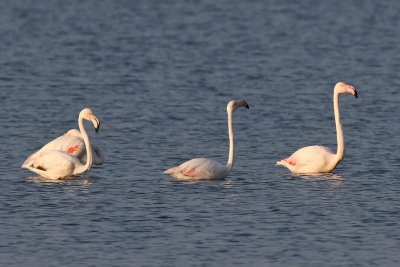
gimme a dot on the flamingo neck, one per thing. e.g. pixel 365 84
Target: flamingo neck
pixel 89 156
pixel 339 130
pixel 231 145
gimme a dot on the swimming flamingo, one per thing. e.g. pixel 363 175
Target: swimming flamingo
pixel 320 159
pixel 208 169
pixel 55 164
pixel 73 143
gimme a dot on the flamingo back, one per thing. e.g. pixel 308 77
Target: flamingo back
pixel 199 168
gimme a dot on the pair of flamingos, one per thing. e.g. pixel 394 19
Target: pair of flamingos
pixel 63 156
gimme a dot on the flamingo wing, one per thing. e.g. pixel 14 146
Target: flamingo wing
pixel 73 145
pixel 98 157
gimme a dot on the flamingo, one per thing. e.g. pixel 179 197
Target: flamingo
pixel 320 159
pixel 55 164
pixel 208 169
pixel 73 143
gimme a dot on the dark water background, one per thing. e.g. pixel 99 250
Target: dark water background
pixel 158 74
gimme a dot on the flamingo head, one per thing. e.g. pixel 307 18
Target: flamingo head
pixel 88 115
pixel 234 104
pixel 345 88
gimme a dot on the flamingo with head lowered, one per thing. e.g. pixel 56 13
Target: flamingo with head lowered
pixel 55 164
pixel 208 169
pixel 320 159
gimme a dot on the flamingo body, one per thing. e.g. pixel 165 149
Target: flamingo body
pixel 55 164
pixel 310 159
pixel 71 142
pixel 208 169
pixel 320 159
pixel 200 169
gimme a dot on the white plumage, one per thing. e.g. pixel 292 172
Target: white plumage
pixel 55 164
pixel 71 142
pixel 320 159
pixel 208 169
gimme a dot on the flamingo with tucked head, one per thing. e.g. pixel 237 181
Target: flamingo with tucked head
pixel 208 169
pixel 55 164
pixel 320 159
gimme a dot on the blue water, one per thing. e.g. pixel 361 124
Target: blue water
pixel 159 74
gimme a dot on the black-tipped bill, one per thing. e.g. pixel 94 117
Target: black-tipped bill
pixel 355 94
pixel 242 103
pixel 96 123
pixel 98 127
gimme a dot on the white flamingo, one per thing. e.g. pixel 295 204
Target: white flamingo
pixel 71 142
pixel 55 164
pixel 320 159
pixel 208 169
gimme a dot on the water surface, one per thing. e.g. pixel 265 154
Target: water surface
pixel 159 74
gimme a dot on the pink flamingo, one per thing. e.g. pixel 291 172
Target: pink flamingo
pixel 320 159
pixel 55 164
pixel 208 169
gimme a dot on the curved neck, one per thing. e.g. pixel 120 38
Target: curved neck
pixel 231 146
pixel 339 130
pixel 89 156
